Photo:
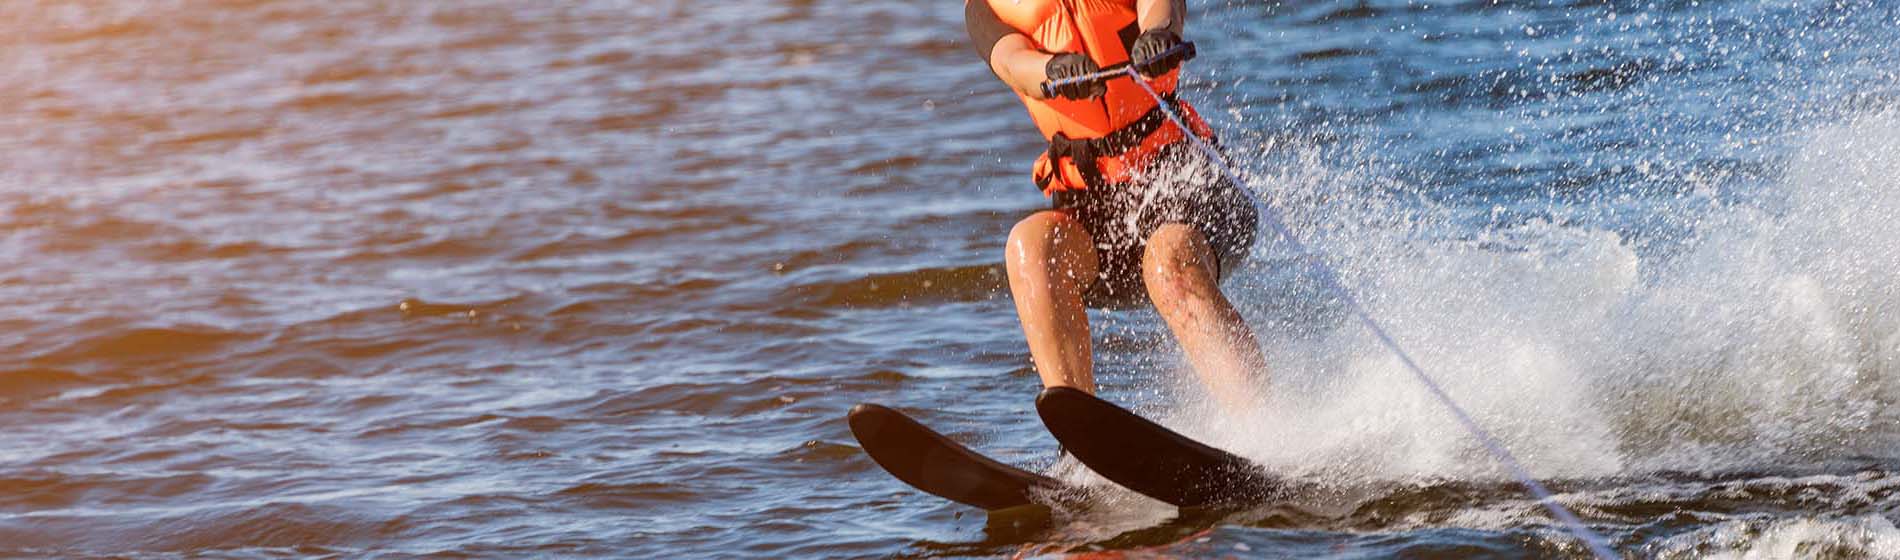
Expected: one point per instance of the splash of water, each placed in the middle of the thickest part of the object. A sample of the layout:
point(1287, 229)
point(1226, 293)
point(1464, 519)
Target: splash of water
point(1764, 340)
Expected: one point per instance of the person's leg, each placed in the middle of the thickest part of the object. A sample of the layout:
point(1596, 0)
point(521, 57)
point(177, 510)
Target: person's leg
point(1179, 268)
point(1051, 261)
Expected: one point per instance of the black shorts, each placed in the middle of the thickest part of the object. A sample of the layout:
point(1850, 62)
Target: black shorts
point(1182, 188)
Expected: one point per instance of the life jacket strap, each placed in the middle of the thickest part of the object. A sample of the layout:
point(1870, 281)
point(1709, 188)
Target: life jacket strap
point(1085, 153)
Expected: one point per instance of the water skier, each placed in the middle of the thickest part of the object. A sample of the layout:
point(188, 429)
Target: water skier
point(1136, 214)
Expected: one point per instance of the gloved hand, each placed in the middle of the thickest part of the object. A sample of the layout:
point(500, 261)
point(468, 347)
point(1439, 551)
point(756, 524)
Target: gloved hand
point(1145, 54)
point(1069, 65)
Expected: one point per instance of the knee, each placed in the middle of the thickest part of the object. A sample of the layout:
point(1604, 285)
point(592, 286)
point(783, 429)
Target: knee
point(1030, 241)
point(1176, 259)
point(1047, 242)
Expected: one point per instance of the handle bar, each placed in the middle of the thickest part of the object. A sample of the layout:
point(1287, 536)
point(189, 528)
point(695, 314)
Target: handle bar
point(1185, 50)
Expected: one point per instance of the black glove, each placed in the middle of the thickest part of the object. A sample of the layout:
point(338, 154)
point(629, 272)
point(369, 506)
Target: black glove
point(1145, 54)
point(1069, 65)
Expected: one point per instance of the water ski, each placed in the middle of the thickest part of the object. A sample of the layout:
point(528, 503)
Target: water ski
point(1148, 458)
point(923, 458)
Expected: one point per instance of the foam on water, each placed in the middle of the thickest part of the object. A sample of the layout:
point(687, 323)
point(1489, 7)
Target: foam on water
point(1857, 536)
point(1764, 340)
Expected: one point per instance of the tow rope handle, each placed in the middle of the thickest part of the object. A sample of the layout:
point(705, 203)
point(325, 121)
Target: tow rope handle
point(1185, 51)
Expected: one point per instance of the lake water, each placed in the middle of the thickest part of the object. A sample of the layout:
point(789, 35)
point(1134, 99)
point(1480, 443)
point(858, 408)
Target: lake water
point(601, 278)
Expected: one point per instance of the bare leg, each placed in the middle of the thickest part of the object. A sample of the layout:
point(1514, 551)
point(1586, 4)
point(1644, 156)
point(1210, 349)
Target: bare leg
point(1051, 261)
point(1178, 268)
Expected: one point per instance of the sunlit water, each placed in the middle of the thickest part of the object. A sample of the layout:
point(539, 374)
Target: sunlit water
point(601, 278)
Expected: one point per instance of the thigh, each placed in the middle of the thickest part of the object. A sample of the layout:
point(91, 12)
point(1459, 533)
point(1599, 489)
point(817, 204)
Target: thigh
point(1111, 216)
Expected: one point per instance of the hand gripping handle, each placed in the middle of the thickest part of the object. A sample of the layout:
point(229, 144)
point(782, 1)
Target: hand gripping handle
point(1185, 50)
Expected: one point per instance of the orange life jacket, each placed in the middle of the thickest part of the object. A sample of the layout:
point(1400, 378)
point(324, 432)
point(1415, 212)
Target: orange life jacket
point(1105, 140)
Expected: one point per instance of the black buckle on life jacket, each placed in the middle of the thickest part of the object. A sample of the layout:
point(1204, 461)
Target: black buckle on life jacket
point(1085, 152)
